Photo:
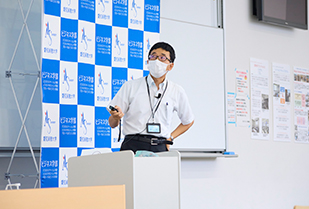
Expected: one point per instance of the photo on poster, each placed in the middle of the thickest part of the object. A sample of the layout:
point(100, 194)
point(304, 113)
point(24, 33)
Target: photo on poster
point(265, 126)
point(276, 90)
point(298, 100)
point(282, 95)
point(296, 132)
point(265, 102)
point(255, 125)
point(287, 95)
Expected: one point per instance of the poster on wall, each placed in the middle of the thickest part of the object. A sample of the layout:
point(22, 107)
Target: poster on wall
point(281, 102)
point(242, 98)
point(301, 105)
point(230, 106)
point(260, 113)
point(90, 48)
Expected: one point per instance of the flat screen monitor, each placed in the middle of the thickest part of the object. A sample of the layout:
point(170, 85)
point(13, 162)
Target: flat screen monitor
point(290, 13)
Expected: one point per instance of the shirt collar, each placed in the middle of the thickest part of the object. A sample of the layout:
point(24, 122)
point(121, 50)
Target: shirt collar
point(151, 82)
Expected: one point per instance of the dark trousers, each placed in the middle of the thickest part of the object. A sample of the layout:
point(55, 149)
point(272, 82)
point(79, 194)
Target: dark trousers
point(131, 144)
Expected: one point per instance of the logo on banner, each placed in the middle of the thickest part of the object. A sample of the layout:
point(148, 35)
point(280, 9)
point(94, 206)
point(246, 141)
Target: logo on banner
point(134, 74)
point(49, 164)
point(104, 11)
point(51, 38)
point(85, 129)
point(101, 2)
point(49, 75)
point(136, 18)
point(154, 8)
point(66, 34)
point(122, 2)
point(119, 47)
point(68, 8)
point(103, 122)
point(65, 120)
point(84, 78)
point(87, 46)
point(65, 165)
point(101, 83)
point(49, 34)
point(84, 123)
point(85, 39)
point(136, 44)
point(118, 82)
point(104, 40)
point(64, 155)
point(148, 45)
point(134, 8)
point(67, 80)
point(48, 122)
point(118, 44)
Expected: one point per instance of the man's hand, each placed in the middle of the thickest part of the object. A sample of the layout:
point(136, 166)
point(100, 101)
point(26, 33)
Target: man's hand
point(115, 117)
point(168, 145)
point(178, 131)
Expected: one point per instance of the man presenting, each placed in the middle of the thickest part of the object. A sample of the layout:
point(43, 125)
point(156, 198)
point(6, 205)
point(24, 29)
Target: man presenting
point(147, 105)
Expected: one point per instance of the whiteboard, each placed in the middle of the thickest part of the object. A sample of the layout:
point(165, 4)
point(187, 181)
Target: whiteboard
point(199, 69)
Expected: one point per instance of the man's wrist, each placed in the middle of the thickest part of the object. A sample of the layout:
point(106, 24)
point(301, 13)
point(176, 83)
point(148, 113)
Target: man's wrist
point(171, 137)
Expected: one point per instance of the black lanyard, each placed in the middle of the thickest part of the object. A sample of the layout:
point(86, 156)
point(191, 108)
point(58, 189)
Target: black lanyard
point(153, 112)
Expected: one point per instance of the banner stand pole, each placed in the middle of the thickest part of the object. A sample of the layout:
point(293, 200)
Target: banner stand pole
point(23, 118)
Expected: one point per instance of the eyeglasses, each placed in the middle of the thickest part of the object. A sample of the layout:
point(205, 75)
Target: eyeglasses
point(161, 58)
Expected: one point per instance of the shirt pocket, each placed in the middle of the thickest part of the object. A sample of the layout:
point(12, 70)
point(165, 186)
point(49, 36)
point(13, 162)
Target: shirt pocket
point(169, 111)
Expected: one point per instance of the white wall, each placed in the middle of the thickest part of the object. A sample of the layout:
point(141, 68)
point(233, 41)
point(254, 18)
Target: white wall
point(267, 174)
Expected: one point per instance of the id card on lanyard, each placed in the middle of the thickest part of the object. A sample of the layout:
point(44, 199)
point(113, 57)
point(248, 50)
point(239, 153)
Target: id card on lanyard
point(154, 127)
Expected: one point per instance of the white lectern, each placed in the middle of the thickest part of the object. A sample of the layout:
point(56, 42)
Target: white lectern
point(150, 182)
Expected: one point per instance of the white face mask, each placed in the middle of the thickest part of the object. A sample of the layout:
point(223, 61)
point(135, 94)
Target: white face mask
point(157, 68)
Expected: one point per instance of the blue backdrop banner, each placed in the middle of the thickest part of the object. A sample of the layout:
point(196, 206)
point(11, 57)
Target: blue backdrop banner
point(90, 48)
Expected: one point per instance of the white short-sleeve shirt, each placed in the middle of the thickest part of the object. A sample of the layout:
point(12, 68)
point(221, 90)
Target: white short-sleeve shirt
point(134, 102)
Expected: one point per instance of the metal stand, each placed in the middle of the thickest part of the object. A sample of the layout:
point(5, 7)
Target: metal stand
point(8, 75)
